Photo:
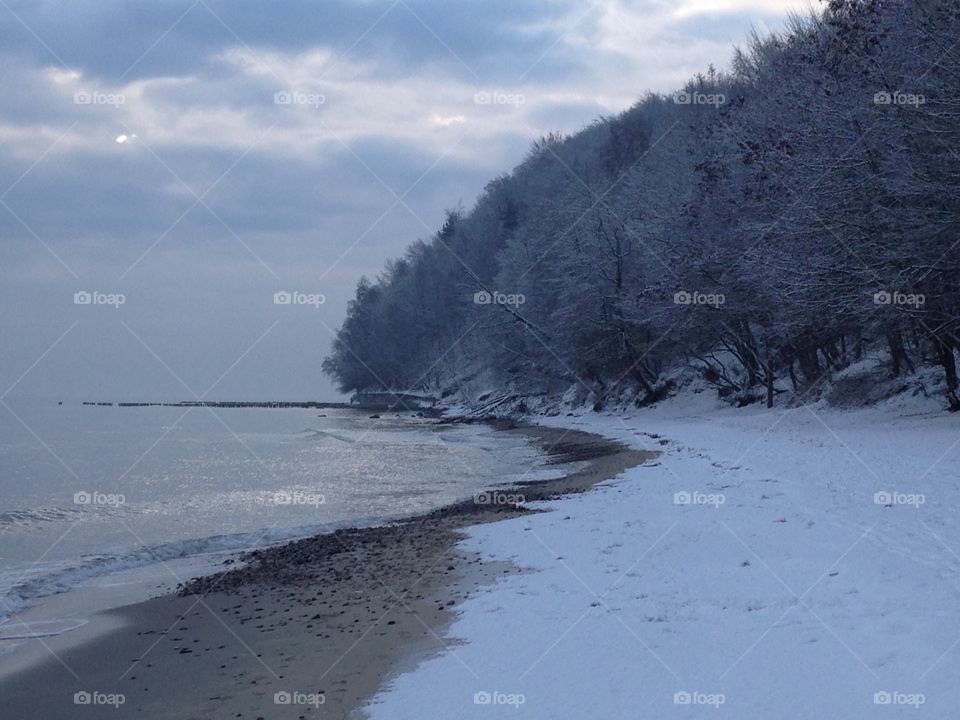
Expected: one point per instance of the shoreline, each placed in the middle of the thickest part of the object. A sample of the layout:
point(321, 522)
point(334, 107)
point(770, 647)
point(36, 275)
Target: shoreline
point(29, 585)
point(322, 621)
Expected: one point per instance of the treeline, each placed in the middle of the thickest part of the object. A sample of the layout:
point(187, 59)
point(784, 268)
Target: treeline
point(767, 226)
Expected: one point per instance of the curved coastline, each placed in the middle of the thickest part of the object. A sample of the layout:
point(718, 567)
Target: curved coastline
point(315, 624)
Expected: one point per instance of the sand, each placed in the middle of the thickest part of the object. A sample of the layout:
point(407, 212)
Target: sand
point(308, 629)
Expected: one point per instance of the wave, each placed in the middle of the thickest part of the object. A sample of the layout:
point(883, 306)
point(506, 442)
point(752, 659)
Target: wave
point(23, 593)
point(39, 628)
point(27, 518)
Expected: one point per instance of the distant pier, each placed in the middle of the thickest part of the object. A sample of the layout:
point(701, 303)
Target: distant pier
point(396, 401)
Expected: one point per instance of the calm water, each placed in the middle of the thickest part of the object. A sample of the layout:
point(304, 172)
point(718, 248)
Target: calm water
point(89, 491)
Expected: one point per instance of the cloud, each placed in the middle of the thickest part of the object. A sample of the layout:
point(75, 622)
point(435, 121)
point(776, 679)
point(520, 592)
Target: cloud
point(196, 154)
point(691, 8)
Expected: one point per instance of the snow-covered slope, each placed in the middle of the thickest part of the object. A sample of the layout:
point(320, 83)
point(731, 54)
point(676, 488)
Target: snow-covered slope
point(752, 571)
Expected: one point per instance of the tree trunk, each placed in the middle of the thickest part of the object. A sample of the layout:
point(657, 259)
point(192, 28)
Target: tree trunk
point(809, 363)
point(949, 362)
point(895, 344)
point(793, 376)
point(769, 373)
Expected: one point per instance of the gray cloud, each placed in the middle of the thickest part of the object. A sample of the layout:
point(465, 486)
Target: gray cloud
point(298, 195)
point(110, 39)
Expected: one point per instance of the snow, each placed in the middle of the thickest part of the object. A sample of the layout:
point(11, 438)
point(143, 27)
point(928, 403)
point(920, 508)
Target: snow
point(783, 590)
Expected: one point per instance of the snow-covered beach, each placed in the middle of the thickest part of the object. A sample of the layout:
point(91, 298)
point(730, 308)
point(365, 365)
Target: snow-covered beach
point(793, 563)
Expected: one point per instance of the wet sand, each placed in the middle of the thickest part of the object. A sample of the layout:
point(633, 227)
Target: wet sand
point(308, 629)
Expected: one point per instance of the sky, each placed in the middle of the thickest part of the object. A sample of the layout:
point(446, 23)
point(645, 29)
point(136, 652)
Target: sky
point(167, 168)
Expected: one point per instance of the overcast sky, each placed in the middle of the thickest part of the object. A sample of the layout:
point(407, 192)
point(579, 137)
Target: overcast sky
point(193, 158)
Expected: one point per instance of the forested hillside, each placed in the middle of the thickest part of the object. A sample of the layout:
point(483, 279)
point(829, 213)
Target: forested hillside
point(765, 226)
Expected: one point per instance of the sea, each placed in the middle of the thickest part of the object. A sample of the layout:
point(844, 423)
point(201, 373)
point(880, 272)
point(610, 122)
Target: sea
point(91, 495)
